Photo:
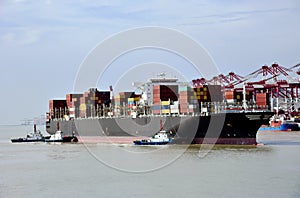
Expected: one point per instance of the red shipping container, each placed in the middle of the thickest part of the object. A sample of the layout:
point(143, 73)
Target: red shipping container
point(156, 112)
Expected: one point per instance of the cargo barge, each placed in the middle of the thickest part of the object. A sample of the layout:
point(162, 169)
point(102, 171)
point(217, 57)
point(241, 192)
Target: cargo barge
point(190, 114)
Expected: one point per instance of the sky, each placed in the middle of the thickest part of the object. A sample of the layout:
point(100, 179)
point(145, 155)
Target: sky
point(44, 42)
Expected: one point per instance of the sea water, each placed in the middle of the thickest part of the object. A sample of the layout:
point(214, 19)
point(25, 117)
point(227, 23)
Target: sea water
point(110, 170)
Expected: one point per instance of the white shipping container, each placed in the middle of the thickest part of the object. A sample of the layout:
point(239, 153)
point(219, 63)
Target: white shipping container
point(191, 106)
point(175, 110)
point(230, 100)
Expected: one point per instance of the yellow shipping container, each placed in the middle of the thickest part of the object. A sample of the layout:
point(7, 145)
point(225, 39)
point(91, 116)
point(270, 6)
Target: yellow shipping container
point(94, 98)
point(82, 107)
point(165, 102)
point(204, 89)
point(165, 111)
point(205, 97)
point(130, 99)
point(193, 97)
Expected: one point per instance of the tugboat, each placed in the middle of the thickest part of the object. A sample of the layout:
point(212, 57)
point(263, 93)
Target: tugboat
point(160, 138)
point(58, 137)
point(35, 136)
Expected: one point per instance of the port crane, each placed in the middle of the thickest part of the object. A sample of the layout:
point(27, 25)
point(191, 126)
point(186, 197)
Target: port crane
point(280, 83)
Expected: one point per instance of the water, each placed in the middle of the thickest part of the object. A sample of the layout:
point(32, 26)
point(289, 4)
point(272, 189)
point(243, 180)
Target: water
point(72, 170)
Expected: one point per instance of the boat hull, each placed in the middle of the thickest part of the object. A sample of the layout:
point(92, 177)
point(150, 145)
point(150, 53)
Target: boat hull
point(222, 128)
point(140, 142)
point(20, 140)
point(64, 139)
point(17, 140)
point(289, 127)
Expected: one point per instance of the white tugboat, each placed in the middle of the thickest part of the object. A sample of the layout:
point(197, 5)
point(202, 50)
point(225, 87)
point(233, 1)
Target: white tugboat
point(160, 138)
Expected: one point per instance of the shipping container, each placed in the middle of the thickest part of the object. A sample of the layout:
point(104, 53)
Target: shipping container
point(156, 112)
point(184, 88)
point(262, 99)
point(165, 111)
point(165, 102)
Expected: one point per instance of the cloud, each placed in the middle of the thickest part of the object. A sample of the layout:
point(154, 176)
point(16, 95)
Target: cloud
point(247, 13)
point(21, 36)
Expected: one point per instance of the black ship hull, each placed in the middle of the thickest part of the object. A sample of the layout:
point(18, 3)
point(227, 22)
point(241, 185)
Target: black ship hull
point(220, 128)
point(20, 140)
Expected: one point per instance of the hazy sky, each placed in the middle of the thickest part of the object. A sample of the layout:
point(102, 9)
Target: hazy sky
point(44, 42)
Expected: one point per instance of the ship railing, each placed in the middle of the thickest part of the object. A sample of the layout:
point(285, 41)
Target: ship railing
point(202, 109)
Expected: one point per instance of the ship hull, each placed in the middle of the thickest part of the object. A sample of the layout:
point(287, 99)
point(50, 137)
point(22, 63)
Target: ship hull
point(221, 128)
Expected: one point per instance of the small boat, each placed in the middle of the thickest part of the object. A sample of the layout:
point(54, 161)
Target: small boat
point(35, 136)
point(160, 138)
point(58, 137)
point(282, 123)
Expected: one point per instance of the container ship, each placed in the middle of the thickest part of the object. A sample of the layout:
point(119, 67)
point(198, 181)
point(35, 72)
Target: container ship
point(200, 114)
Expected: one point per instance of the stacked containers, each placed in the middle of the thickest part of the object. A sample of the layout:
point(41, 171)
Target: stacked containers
point(156, 108)
point(156, 94)
point(93, 101)
point(174, 108)
point(122, 99)
point(229, 96)
point(191, 98)
point(162, 95)
point(238, 96)
point(165, 107)
point(262, 99)
point(132, 102)
point(57, 108)
point(215, 93)
point(184, 95)
point(73, 103)
point(82, 106)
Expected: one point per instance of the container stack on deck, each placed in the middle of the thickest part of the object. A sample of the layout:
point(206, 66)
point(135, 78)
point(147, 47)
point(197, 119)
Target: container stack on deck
point(73, 103)
point(190, 98)
point(163, 99)
point(124, 102)
point(57, 108)
point(88, 104)
point(156, 100)
point(93, 102)
point(184, 98)
point(262, 99)
point(167, 99)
